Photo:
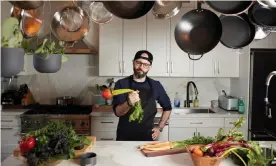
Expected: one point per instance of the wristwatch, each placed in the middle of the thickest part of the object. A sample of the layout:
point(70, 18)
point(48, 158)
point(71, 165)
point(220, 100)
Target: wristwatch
point(160, 129)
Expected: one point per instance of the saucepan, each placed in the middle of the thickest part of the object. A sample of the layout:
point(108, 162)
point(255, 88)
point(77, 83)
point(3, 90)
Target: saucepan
point(166, 9)
point(65, 100)
point(70, 25)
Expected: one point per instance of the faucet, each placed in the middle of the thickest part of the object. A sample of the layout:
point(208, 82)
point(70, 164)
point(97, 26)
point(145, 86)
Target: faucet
point(187, 93)
point(267, 104)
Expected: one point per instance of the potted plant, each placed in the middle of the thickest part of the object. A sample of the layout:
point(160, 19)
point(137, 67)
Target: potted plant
point(48, 57)
point(12, 52)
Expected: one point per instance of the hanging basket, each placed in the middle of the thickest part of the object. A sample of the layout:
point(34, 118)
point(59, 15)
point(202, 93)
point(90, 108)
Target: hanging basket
point(47, 63)
point(12, 61)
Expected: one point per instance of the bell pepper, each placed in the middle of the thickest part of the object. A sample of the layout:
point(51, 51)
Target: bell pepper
point(26, 144)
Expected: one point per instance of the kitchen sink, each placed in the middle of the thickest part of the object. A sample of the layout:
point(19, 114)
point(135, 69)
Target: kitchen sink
point(185, 111)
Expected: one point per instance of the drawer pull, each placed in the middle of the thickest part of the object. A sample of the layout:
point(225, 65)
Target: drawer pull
point(107, 122)
point(6, 120)
point(231, 122)
point(8, 128)
point(196, 122)
point(107, 139)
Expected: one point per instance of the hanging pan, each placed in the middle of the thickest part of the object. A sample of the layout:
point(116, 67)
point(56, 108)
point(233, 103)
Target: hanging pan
point(166, 9)
point(262, 15)
point(229, 7)
point(198, 31)
point(267, 3)
point(128, 9)
point(27, 5)
point(70, 25)
point(99, 14)
point(237, 31)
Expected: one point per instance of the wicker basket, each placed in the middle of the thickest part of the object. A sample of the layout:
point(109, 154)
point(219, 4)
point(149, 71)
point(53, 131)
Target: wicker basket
point(203, 161)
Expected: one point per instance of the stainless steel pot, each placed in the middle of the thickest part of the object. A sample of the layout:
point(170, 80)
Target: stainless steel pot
point(65, 100)
point(166, 9)
point(27, 5)
point(70, 25)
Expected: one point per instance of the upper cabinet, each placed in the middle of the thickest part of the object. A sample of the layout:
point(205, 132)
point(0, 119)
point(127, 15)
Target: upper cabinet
point(122, 38)
point(110, 48)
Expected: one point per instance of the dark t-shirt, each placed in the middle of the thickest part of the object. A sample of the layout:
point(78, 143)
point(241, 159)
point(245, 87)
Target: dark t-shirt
point(158, 90)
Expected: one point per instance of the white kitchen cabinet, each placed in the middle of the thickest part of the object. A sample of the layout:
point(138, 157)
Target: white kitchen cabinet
point(134, 39)
point(10, 133)
point(219, 62)
point(158, 43)
point(180, 65)
point(110, 48)
point(104, 128)
point(179, 134)
point(207, 132)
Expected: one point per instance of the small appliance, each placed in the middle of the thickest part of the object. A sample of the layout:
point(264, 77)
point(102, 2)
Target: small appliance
point(228, 103)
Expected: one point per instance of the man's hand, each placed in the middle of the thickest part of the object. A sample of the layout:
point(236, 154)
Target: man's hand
point(133, 97)
point(155, 133)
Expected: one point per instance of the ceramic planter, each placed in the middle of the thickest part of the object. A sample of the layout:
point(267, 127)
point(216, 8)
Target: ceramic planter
point(44, 63)
point(12, 61)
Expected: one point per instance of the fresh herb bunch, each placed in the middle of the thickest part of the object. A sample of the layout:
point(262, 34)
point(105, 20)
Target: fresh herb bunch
point(195, 140)
point(137, 112)
point(54, 141)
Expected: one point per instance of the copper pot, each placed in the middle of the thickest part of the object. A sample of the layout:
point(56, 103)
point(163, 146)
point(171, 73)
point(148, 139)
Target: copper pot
point(27, 5)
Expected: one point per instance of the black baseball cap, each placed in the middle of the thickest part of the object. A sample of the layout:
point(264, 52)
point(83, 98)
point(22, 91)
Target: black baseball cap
point(144, 54)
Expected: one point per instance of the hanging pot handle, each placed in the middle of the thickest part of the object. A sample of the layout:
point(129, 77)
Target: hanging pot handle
point(195, 59)
point(69, 44)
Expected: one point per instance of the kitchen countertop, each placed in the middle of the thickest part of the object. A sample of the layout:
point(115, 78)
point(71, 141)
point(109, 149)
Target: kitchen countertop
point(116, 153)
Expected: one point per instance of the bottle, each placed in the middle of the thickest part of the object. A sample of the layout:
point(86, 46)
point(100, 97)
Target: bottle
point(241, 105)
point(176, 100)
point(196, 102)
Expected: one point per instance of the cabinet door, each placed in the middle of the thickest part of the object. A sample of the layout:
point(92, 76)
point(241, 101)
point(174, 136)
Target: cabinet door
point(9, 139)
point(134, 39)
point(179, 134)
point(110, 48)
point(211, 132)
point(158, 43)
point(243, 130)
point(206, 66)
point(227, 62)
point(180, 64)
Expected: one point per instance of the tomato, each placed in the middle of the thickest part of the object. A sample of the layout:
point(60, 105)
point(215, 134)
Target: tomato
point(107, 94)
point(26, 144)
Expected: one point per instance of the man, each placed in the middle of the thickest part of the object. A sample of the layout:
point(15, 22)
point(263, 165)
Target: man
point(148, 91)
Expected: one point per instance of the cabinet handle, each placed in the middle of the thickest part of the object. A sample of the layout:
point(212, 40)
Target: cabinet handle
point(120, 69)
point(107, 139)
point(231, 122)
point(107, 122)
point(6, 120)
point(168, 67)
point(171, 67)
point(123, 67)
point(215, 67)
point(196, 122)
point(194, 134)
point(8, 128)
point(198, 134)
point(218, 67)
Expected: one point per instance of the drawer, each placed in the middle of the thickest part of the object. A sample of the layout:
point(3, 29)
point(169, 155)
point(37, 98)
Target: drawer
point(105, 136)
point(229, 122)
point(10, 121)
point(104, 124)
point(197, 122)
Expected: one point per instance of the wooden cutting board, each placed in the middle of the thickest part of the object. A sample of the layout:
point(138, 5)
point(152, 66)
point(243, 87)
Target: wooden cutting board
point(17, 154)
point(163, 152)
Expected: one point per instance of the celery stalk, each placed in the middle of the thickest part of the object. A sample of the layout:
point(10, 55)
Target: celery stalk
point(120, 91)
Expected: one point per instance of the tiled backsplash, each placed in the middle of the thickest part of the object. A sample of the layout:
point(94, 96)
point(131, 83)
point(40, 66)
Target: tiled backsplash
point(78, 77)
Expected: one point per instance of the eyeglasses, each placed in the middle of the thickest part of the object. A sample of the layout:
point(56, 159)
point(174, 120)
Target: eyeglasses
point(145, 65)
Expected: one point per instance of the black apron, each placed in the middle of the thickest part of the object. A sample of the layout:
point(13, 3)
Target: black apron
point(134, 131)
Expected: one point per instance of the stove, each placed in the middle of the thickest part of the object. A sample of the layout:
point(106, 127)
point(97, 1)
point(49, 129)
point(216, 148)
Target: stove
point(39, 116)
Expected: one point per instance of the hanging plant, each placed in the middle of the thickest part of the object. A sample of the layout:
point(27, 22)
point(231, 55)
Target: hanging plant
point(47, 49)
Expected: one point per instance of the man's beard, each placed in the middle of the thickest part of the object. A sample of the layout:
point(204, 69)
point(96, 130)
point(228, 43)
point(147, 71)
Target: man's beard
point(140, 74)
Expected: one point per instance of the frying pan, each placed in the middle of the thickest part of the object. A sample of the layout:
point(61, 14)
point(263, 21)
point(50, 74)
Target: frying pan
point(198, 31)
point(237, 31)
point(27, 5)
point(128, 9)
point(262, 15)
point(229, 7)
